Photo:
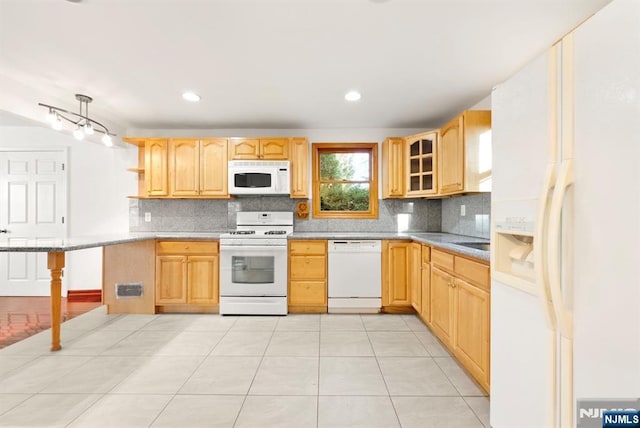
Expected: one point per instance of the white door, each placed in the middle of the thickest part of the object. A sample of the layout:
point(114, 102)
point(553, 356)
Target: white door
point(32, 206)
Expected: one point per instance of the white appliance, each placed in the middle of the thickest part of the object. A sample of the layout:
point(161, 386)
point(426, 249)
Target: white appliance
point(247, 177)
point(253, 264)
point(565, 324)
point(354, 276)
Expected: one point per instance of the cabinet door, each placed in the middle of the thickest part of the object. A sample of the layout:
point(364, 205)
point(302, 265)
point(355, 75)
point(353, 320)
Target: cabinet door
point(451, 167)
point(421, 164)
point(274, 148)
point(441, 304)
point(202, 282)
point(213, 167)
point(155, 167)
point(415, 277)
point(471, 336)
point(299, 168)
point(184, 167)
point(171, 279)
point(308, 293)
point(244, 148)
point(307, 267)
point(425, 310)
point(395, 273)
point(393, 168)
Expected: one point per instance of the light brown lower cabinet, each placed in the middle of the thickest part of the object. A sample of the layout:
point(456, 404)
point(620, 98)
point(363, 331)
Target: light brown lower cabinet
point(415, 278)
point(187, 273)
point(396, 276)
point(457, 308)
point(425, 284)
point(307, 276)
point(471, 332)
point(442, 304)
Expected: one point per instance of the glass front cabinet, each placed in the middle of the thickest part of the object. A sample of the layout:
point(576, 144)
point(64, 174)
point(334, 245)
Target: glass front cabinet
point(421, 164)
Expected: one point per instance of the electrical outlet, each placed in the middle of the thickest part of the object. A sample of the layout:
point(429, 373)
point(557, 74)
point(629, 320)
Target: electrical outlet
point(147, 217)
point(463, 210)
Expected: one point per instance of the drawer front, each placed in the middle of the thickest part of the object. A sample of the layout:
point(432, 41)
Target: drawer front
point(476, 273)
point(308, 247)
point(187, 247)
point(442, 259)
point(307, 267)
point(308, 293)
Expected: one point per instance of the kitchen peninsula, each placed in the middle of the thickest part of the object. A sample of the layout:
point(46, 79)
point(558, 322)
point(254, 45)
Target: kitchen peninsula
point(56, 250)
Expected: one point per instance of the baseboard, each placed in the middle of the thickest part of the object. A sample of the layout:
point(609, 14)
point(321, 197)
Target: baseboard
point(84, 296)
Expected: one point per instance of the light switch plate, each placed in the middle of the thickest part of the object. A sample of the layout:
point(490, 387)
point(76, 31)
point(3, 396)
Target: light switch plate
point(463, 210)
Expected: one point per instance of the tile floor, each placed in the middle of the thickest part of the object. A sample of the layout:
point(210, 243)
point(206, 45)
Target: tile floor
point(21, 317)
point(212, 371)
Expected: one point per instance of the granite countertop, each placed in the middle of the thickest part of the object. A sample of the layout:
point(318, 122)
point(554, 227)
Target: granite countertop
point(446, 241)
point(81, 243)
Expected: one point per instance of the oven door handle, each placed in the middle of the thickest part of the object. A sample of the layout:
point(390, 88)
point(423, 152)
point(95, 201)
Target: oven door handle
point(247, 248)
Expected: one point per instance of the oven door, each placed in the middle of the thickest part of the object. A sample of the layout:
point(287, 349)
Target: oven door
point(252, 270)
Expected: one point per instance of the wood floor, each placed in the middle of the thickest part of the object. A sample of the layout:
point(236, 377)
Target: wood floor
point(21, 317)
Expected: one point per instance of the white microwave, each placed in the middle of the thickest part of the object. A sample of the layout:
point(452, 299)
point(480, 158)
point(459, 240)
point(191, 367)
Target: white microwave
point(258, 177)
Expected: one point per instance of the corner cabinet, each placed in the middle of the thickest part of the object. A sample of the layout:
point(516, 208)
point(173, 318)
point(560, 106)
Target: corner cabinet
point(464, 163)
point(421, 162)
point(259, 148)
point(187, 276)
point(307, 276)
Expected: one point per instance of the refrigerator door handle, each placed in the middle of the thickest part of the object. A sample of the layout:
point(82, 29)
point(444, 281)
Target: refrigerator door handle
point(539, 248)
point(563, 315)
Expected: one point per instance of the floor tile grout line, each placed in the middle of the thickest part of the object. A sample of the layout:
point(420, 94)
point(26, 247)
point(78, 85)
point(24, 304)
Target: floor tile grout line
point(384, 380)
point(205, 357)
point(473, 410)
point(235, 422)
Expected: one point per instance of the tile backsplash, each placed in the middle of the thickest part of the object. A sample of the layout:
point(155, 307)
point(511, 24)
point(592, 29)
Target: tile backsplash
point(216, 215)
point(476, 221)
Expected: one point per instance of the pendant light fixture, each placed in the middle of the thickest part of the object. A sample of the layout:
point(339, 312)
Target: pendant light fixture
point(84, 125)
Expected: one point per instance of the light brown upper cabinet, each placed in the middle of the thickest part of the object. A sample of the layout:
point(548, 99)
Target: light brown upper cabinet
point(198, 167)
point(421, 163)
point(259, 148)
point(299, 166)
point(464, 157)
point(393, 171)
point(155, 167)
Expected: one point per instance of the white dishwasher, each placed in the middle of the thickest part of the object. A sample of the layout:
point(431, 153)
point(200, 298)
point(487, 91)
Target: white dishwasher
point(355, 276)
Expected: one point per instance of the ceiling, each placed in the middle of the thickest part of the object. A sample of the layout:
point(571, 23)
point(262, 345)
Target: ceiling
point(271, 63)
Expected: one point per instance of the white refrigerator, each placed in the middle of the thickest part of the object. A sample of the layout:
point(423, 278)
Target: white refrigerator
point(565, 296)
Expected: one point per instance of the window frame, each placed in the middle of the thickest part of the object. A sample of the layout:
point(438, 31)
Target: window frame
point(372, 149)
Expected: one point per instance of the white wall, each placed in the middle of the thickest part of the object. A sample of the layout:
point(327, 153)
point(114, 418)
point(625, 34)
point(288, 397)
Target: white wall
point(98, 186)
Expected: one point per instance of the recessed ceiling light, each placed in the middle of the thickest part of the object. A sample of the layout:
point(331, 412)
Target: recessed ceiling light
point(352, 96)
point(191, 96)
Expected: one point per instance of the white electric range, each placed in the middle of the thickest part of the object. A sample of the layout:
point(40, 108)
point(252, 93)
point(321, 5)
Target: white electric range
point(253, 264)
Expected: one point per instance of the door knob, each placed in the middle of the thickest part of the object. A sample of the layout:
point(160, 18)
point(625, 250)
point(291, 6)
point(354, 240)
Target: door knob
point(4, 231)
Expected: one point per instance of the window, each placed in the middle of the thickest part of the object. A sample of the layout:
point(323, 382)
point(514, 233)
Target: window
point(345, 180)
